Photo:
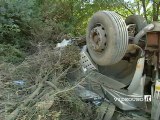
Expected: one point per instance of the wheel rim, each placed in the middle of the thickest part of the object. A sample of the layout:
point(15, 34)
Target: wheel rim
point(98, 38)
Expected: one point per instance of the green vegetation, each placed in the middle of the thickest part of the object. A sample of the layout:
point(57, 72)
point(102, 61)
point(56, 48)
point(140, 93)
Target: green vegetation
point(23, 22)
point(9, 53)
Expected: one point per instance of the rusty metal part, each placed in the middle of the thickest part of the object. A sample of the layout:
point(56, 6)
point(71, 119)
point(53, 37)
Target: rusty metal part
point(143, 32)
point(98, 38)
point(153, 35)
point(153, 44)
point(152, 39)
point(131, 29)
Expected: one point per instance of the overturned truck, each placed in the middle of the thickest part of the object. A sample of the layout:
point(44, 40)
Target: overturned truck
point(121, 60)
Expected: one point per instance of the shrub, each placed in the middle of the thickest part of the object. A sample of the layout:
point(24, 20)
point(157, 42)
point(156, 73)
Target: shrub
point(9, 53)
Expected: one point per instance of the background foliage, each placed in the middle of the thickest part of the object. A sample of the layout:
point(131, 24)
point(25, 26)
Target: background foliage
point(25, 23)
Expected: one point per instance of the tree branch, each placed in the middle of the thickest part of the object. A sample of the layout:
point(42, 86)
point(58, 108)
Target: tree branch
point(127, 8)
point(14, 114)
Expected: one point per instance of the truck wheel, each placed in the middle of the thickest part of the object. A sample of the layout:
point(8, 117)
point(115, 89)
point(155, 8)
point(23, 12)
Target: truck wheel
point(138, 20)
point(107, 38)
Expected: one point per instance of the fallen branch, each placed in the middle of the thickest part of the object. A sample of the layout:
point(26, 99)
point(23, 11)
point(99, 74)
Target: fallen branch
point(72, 88)
point(51, 84)
point(14, 114)
point(62, 74)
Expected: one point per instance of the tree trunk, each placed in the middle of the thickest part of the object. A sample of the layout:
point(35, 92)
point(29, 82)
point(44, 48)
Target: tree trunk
point(144, 9)
point(155, 10)
point(138, 7)
point(158, 6)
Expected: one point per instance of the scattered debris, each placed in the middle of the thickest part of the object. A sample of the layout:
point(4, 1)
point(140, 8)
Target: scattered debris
point(64, 43)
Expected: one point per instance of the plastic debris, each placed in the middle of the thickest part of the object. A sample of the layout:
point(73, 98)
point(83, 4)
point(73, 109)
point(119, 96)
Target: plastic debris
point(19, 82)
point(63, 43)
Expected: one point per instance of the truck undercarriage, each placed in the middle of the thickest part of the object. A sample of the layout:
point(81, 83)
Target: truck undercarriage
point(121, 60)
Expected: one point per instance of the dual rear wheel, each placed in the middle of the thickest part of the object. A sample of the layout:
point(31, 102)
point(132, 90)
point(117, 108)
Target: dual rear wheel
point(107, 36)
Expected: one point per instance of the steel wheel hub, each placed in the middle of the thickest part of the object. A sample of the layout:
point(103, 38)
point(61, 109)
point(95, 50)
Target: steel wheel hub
point(98, 38)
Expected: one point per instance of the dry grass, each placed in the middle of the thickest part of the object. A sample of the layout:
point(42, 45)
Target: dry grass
point(46, 93)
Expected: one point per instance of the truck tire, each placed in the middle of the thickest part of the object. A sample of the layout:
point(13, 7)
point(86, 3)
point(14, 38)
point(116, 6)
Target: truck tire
point(138, 20)
point(107, 38)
